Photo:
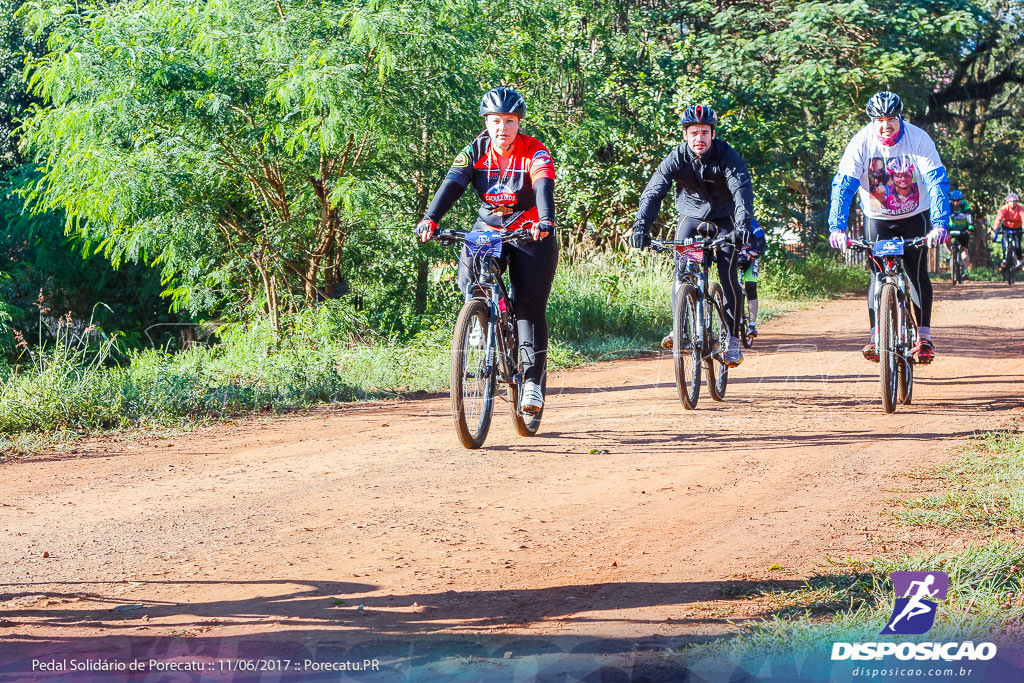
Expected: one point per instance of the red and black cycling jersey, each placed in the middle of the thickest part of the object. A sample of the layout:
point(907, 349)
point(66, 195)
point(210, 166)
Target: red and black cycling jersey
point(1010, 217)
point(509, 197)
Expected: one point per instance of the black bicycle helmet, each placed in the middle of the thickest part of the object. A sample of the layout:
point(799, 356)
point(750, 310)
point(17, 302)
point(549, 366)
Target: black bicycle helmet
point(884, 103)
point(700, 113)
point(503, 101)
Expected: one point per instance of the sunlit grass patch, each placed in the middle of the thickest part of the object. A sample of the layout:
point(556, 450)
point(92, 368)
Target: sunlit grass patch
point(854, 602)
point(984, 488)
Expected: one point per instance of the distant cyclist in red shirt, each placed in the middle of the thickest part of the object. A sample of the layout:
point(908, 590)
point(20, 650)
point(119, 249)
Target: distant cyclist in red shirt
point(1009, 220)
point(514, 176)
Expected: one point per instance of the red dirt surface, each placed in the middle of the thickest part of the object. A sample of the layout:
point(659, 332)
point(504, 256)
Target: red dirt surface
point(625, 519)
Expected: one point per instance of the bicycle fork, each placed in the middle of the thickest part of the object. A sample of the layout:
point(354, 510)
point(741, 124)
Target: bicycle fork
point(904, 346)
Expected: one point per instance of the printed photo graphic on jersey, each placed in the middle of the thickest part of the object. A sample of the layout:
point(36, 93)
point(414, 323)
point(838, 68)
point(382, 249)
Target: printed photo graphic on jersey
point(914, 611)
point(892, 184)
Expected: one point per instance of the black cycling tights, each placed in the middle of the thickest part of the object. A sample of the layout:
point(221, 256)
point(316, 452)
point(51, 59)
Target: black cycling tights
point(915, 261)
point(531, 270)
point(727, 266)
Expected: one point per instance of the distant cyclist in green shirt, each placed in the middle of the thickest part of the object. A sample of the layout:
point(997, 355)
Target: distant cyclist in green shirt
point(961, 227)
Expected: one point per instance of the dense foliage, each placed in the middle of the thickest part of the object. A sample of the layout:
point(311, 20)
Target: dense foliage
point(264, 157)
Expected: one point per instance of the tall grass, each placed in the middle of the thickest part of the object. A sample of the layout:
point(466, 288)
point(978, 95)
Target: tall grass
point(604, 305)
point(818, 276)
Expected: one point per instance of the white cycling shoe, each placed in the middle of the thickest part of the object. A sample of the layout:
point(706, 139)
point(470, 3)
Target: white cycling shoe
point(533, 398)
point(476, 335)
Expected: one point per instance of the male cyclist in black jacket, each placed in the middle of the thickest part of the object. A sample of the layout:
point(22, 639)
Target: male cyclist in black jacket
point(712, 185)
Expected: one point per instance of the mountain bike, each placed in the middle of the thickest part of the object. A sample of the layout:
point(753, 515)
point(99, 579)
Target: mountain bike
point(485, 345)
point(699, 330)
point(956, 259)
point(897, 324)
point(1011, 255)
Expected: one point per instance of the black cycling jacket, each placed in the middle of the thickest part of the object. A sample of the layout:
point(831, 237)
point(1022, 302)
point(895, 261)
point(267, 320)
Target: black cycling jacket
point(711, 186)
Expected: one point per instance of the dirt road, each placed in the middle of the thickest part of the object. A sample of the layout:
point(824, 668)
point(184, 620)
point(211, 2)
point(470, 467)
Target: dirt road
point(367, 527)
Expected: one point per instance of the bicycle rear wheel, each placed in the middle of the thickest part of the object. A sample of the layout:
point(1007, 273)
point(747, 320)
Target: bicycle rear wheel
point(472, 380)
point(888, 347)
point(744, 323)
point(686, 346)
point(718, 343)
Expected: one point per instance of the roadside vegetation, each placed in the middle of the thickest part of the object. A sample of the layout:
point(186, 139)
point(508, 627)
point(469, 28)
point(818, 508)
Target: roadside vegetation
point(853, 601)
point(607, 305)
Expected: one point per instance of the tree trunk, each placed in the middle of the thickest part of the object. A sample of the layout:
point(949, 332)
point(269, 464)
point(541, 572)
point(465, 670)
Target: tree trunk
point(270, 290)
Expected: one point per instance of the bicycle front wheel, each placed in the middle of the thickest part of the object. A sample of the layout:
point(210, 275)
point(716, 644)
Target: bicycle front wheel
point(888, 347)
point(958, 269)
point(686, 346)
point(472, 378)
point(526, 424)
point(905, 381)
point(718, 337)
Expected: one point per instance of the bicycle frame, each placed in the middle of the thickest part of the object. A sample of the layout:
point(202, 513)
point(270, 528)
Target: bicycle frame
point(489, 286)
point(1011, 243)
point(688, 270)
point(891, 271)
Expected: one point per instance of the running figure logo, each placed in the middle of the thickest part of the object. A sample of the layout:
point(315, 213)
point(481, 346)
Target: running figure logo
point(914, 613)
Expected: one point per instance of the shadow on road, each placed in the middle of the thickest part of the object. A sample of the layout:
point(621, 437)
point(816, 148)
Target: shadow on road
point(345, 604)
point(333, 621)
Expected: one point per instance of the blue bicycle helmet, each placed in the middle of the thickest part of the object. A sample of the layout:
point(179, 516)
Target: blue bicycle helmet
point(956, 195)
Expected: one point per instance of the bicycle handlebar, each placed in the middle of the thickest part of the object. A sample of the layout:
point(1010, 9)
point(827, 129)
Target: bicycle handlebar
point(870, 246)
point(712, 242)
point(515, 237)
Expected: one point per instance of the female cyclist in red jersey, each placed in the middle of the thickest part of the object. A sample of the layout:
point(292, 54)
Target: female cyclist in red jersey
point(1009, 220)
point(514, 176)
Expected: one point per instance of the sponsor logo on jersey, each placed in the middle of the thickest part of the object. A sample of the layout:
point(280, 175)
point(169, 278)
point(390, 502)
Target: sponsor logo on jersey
point(542, 158)
point(461, 161)
point(500, 195)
